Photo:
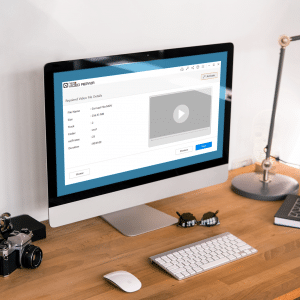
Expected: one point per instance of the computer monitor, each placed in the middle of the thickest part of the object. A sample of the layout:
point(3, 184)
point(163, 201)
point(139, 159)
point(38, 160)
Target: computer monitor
point(125, 130)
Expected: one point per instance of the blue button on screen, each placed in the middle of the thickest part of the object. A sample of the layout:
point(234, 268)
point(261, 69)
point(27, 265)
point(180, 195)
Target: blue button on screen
point(203, 146)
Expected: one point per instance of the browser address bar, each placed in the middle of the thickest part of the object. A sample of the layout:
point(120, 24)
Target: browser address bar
point(132, 87)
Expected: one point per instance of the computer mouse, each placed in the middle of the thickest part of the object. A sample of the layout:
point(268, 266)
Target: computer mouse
point(124, 280)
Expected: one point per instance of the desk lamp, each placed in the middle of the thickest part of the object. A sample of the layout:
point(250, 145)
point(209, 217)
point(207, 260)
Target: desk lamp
point(268, 187)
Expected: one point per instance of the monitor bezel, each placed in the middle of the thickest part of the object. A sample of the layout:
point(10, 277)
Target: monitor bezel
point(55, 67)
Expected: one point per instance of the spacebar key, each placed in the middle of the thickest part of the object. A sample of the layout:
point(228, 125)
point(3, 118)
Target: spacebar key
point(215, 263)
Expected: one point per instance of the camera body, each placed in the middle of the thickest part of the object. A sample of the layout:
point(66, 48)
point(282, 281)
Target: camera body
point(17, 252)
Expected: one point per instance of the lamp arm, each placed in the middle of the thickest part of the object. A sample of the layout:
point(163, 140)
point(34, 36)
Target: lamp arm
point(295, 38)
point(284, 41)
point(278, 80)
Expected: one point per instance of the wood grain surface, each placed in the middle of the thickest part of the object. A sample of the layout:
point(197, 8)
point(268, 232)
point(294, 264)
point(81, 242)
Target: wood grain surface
point(76, 256)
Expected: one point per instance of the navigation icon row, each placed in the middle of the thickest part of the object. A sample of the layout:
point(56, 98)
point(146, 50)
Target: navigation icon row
point(201, 66)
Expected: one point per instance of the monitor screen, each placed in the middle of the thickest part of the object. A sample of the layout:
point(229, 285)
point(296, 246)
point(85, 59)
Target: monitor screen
point(117, 123)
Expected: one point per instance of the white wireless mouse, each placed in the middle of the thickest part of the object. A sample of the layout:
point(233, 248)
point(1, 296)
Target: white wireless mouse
point(124, 280)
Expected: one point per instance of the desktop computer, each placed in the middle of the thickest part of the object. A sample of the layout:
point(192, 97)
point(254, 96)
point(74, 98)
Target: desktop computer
point(125, 130)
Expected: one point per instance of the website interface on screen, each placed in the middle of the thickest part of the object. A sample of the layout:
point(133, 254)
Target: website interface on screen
point(118, 127)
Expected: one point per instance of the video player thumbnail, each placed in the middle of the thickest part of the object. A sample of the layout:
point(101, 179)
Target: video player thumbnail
point(179, 116)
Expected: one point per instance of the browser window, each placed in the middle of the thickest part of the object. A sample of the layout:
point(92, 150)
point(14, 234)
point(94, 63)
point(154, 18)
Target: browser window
point(120, 123)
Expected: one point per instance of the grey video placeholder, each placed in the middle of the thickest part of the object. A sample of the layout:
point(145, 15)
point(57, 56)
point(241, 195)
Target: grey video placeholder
point(179, 116)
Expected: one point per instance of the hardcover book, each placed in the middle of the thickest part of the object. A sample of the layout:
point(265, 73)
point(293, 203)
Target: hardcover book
point(289, 212)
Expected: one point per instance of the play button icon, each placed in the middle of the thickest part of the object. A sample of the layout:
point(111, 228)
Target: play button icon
point(181, 113)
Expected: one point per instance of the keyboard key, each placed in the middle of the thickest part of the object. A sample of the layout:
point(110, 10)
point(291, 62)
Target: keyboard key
point(173, 268)
point(240, 244)
point(215, 263)
point(167, 265)
point(179, 270)
point(179, 275)
point(197, 269)
point(244, 247)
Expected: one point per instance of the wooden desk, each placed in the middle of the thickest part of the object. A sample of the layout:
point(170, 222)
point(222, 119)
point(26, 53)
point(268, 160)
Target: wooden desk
point(77, 256)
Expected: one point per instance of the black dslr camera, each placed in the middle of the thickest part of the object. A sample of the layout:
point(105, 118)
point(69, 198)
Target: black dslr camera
point(16, 250)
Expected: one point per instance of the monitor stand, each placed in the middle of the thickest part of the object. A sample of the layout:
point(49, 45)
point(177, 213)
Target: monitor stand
point(139, 219)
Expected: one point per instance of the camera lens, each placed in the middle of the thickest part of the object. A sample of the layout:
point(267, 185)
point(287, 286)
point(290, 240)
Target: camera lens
point(32, 257)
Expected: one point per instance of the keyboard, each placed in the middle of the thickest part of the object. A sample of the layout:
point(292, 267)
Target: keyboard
point(204, 255)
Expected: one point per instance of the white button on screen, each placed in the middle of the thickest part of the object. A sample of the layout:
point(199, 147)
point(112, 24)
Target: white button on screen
point(79, 173)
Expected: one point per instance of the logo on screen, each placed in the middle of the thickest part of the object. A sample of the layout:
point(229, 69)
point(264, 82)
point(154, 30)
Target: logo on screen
point(71, 84)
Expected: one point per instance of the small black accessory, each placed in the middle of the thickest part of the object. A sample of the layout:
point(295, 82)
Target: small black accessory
point(6, 227)
point(25, 221)
point(209, 219)
point(186, 220)
point(16, 250)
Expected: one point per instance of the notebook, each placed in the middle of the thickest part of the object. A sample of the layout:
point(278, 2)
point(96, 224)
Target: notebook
point(289, 212)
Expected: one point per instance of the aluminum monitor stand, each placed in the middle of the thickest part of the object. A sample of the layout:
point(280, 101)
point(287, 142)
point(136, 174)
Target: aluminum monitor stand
point(139, 219)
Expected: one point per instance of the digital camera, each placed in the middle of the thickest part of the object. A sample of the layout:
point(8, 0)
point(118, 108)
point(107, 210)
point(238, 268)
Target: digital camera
point(16, 250)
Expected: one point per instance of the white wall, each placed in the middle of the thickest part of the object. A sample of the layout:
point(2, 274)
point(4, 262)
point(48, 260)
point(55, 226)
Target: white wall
point(35, 32)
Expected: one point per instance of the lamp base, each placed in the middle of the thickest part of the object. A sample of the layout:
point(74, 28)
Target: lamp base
point(251, 186)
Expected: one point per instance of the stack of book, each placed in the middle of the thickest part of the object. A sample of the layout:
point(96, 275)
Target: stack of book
point(289, 212)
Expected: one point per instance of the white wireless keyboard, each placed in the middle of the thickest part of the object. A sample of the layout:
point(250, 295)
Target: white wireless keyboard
point(203, 255)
